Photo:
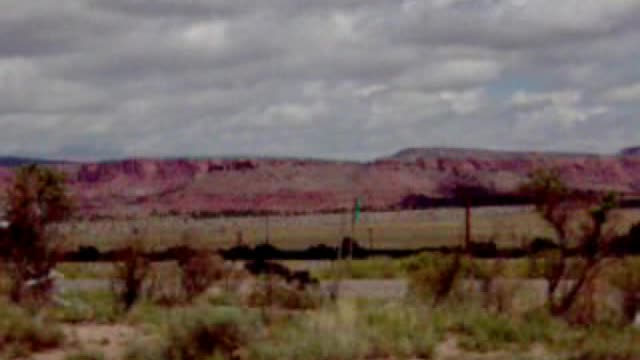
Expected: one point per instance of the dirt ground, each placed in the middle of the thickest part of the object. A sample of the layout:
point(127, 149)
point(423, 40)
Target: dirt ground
point(110, 340)
point(449, 350)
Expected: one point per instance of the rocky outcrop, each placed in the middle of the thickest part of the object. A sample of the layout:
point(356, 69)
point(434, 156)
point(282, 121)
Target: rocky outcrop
point(137, 187)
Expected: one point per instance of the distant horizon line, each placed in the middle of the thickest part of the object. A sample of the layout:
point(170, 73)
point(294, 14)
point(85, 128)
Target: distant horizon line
point(76, 160)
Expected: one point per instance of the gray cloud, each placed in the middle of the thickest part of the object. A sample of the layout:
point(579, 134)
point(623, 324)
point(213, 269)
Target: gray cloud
point(336, 78)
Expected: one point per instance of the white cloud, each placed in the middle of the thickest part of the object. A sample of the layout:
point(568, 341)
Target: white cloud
point(290, 115)
point(564, 116)
point(311, 78)
point(465, 102)
point(541, 114)
point(450, 72)
point(25, 88)
point(367, 91)
point(630, 93)
point(558, 98)
point(207, 34)
point(403, 108)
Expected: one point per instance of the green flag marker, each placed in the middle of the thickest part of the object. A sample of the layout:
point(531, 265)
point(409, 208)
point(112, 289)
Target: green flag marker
point(356, 211)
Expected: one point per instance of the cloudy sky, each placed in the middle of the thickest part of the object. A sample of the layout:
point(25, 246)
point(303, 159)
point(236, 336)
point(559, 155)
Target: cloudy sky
point(325, 78)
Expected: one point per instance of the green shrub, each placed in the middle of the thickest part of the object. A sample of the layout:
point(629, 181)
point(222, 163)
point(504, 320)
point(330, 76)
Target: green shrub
point(435, 276)
point(87, 306)
point(608, 344)
point(85, 355)
point(484, 331)
point(400, 331)
point(86, 270)
point(22, 333)
point(147, 313)
point(204, 331)
point(223, 298)
point(197, 333)
point(156, 349)
point(329, 334)
point(349, 330)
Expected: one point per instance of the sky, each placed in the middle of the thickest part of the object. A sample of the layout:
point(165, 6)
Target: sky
point(347, 79)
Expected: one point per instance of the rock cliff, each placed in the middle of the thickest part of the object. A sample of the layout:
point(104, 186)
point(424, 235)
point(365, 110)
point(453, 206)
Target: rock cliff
point(137, 187)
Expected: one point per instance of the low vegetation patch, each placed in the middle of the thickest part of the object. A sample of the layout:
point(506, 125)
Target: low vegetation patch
point(199, 332)
point(482, 331)
point(22, 333)
point(348, 330)
point(608, 344)
point(85, 355)
point(85, 270)
point(97, 306)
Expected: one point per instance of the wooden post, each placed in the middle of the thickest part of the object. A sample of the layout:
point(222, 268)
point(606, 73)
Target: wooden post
point(239, 239)
point(267, 237)
point(467, 234)
point(343, 226)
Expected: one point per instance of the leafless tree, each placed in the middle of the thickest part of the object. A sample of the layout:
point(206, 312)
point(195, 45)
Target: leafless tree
point(559, 207)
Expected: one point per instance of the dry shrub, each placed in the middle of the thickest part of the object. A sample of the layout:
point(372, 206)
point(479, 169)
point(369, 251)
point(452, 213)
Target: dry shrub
point(199, 272)
point(200, 334)
point(5, 280)
point(593, 304)
point(497, 292)
point(270, 292)
point(165, 284)
point(130, 275)
point(563, 208)
point(37, 201)
point(484, 273)
point(626, 277)
point(436, 276)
